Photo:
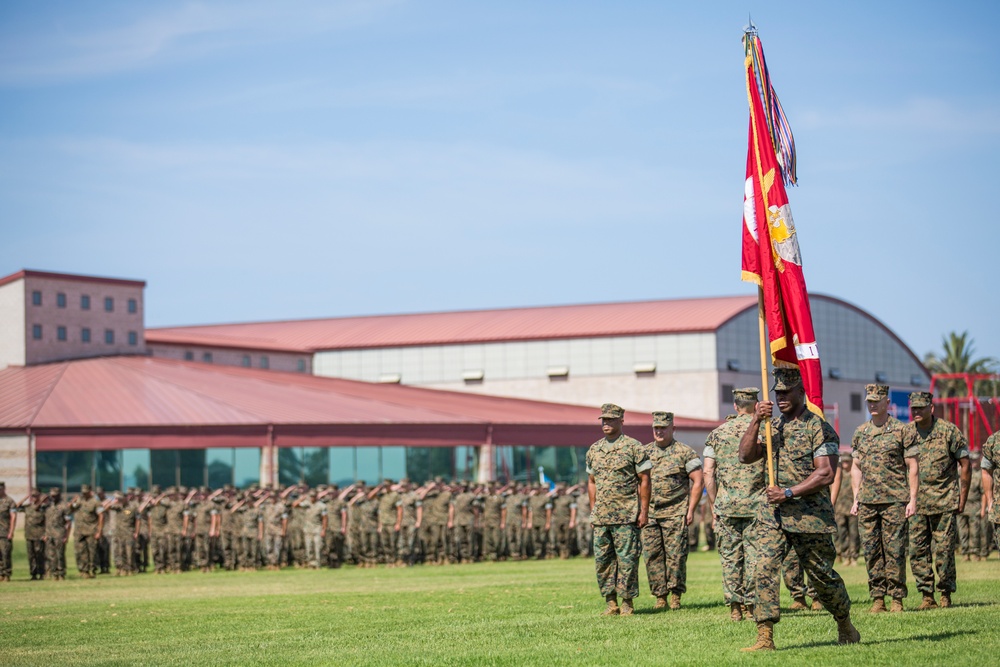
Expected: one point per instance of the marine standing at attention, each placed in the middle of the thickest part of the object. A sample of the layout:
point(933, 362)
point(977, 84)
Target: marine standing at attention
point(798, 508)
point(618, 486)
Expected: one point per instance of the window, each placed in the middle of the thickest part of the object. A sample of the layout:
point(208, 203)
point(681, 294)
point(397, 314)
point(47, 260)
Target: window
point(61, 333)
point(245, 361)
point(60, 300)
point(133, 338)
point(727, 395)
point(188, 355)
point(109, 336)
point(84, 302)
point(301, 365)
point(85, 335)
point(206, 357)
point(855, 402)
point(133, 306)
point(36, 298)
point(264, 361)
point(36, 331)
point(109, 304)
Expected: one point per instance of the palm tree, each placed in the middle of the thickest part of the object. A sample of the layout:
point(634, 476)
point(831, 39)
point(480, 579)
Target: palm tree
point(959, 358)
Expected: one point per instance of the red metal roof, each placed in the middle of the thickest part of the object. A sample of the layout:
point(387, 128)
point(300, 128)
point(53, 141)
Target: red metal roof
point(122, 402)
point(470, 326)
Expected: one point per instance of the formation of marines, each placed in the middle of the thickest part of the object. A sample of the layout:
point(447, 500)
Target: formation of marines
point(900, 491)
point(391, 524)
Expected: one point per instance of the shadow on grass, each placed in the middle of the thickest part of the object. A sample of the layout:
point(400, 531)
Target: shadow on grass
point(937, 637)
point(685, 605)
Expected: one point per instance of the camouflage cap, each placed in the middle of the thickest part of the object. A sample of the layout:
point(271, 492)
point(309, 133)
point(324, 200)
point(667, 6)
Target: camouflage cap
point(876, 392)
point(55, 491)
point(663, 419)
point(155, 489)
point(746, 394)
point(611, 411)
point(921, 399)
point(85, 488)
point(786, 379)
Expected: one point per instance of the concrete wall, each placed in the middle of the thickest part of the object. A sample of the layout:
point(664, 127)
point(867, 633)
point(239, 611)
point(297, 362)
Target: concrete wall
point(275, 361)
point(15, 464)
point(12, 330)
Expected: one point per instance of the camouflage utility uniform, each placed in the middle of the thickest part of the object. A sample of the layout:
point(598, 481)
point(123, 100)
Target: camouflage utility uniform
point(880, 455)
point(933, 529)
point(991, 467)
point(664, 538)
point(56, 534)
point(739, 489)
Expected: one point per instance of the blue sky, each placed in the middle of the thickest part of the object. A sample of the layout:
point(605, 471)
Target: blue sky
point(261, 160)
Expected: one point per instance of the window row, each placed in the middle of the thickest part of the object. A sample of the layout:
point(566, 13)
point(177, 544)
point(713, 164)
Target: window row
point(109, 302)
point(86, 335)
point(240, 467)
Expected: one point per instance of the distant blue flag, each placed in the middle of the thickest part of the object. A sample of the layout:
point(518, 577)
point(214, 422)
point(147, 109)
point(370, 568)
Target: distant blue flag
point(542, 479)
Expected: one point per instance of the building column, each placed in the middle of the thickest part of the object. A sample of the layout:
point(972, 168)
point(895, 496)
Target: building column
point(269, 460)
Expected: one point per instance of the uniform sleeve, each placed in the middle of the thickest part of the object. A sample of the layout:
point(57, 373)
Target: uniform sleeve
point(641, 457)
point(693, 463)
point(990, 453)
point(828, 442)
point(959, 445)
point(709, 452)
point(588, 457)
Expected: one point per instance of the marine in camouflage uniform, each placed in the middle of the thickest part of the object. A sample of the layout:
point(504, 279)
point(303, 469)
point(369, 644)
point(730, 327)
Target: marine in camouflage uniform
point(618, 486)
point(798, 510)
point(676, 483)
point(336, 534)
point(388, 522)
point(516, 522)
point(538, 505)
point(464, 517)
point(158, 523)
point(408, 543)
point(436, 511)
point(990, 478)
point(315, 524)
point(971, 535)
point(494, 522)
point(584, 529)
point(8, 521)
point(57, 526)
point(884, 480)
point(88, 519)
point(562, 523)
point(33, 507)
point(735, 490)
point(943, 460)
point(124, 517)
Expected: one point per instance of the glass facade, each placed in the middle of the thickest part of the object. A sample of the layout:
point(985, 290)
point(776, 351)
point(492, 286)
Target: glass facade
point(218, 466)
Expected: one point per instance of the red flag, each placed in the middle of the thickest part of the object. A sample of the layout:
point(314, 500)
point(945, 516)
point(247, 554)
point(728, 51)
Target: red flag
point(771, 256)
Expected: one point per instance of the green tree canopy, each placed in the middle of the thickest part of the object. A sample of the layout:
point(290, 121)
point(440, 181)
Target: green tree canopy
point(959, 357)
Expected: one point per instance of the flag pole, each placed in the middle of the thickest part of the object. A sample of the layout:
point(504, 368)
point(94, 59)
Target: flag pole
point(763, 383)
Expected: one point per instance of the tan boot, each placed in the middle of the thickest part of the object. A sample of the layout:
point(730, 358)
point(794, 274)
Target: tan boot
point(967, 558)
point(945, 600)
point(612, 609)
point(927, 603)
point(799, 604)
point(765, 638)
point(897, 605)
point(735, 612)
point(817, 605)
point(675, 601)
point(661, 602)
point(748, 611)
point(878, 607)
point(626, 608)
point(846, 632)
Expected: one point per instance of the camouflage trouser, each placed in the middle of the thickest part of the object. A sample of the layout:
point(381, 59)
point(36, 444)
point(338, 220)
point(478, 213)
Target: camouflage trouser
point(227, 546)
point(366, 546)
point(142, 553)
point(436, 542)
point(464, 536)
point(493, 542)
point(387, 544)
point(971, 535)
point(664, 548)
point(104, 554)
point(203, 550)
point(274, 543)
point(123, 547)
point(736, 552)
point(55, 556)
point(585, 538)
point(175, 551)
point(848, 539)
point(514, 538)
point(884, 528)
point(933, 535)
point(334, 548)
point(562, 538)
point(313, 547)
point(815, 552)
point(537, 539)
point(996, 535)
point(86, 554)
point(160, 546)
point(36, 557)
point(616, 558)
point(794, 576)
point(6, 551)
point(407, 545)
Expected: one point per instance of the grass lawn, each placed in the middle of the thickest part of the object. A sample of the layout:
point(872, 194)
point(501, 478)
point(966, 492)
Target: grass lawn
point(530, 613)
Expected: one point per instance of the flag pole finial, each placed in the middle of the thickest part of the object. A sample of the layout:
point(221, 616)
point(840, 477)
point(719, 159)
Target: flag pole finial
point(750, 28)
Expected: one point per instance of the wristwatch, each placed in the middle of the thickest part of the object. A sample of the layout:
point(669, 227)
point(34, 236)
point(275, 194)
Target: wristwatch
point(789, 494)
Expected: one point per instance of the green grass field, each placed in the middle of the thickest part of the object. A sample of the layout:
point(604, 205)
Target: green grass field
point(526, 613)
